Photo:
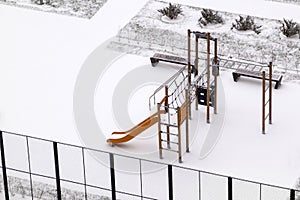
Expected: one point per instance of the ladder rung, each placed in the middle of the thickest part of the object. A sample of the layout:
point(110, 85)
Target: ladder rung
point(169, 133)
point(170, 150)
point(267, 116)
point(169, 141)
point(267, 102)
point(266, 88)
point(172, 125)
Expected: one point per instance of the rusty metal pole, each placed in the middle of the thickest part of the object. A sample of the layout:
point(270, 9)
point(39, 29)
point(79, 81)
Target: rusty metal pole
point(196, 67)
point(196, 64)
point(189, 56)
point(270, 92)
point(215, 75)
point(189, 69)
point(263, 102)
point(159, 131)
point(187, 121)
point(179, 134)
point(208, 80)
point(167, 110)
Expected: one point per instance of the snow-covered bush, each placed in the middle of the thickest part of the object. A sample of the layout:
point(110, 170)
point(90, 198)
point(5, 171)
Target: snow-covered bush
point(289, 28)
point(210, 17)
point(172, 11)
point(244, 24)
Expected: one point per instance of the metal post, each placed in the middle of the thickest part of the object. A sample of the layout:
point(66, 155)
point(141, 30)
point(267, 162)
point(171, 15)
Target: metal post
point(230, 188)
point(199, 178)
point(263, 101)
point(179, 134)
point(208, 80)
point(167, 110)
point(292, 195)
point(112, 176)
point(270, 91)
point(170, 181)
point(189, 56)
point(196, 97)
point(189, 67)
point(187, 121)
point(84, 173)
point(215, 76)
point(141, 177)
point(5, 183)
point(159, 131)
point(29, 167)
point(57, 175)
point(196, 64)
point(216, 51)
point(215, 93)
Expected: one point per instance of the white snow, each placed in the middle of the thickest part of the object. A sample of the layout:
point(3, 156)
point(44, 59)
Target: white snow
point(43, 53)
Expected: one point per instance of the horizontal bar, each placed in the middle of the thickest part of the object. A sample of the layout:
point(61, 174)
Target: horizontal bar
point(169, 150)
point(169, 133)
point(267, 102)
point(172, 125)
point(267, 116)
point(266, 88)
point(169, 142)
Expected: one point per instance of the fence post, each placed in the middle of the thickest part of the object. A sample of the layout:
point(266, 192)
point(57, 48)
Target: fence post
point(112, 176)
point(56, 162)
point(170, 180)
point(229, 188)
point(292, 195)
point(5, 184)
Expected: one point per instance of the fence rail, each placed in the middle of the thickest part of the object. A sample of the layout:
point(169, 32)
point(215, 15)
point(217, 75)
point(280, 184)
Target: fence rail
point(68, 170)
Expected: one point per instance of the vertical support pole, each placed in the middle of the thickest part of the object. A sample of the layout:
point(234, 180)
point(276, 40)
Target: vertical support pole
point(260, 193)
point(230, 196)
point(179, 134)
point(84, 173)
point(57, 175)
point(215, 93)
point(141, 177)
point(292, 195)
point(29, 167)
point(270, 91)
point(187, 143)
point(208, 80)
point(112, 176)
point(196, 65)
point(159, 131)
point(167, 110)
point(216, 51)
point(215, 76)
point(4, 173)
point(170, 181)
point(189, 67)
point(189, 56)
point(199, 178)
point(263, 101)
point(196, 97)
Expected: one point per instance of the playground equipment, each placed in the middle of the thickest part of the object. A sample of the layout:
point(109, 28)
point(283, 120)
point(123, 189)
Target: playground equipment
point(256, 70)
point(179, 92)
point(175, 103)
point(136, 130)
point(267, 102)
point(206, 89)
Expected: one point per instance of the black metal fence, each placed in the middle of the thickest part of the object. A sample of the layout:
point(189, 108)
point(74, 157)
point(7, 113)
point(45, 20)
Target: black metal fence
point(53, 170)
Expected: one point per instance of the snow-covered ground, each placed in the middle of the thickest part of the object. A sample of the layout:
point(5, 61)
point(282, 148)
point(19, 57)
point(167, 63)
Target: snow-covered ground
point(84, 9)
point(56, 69)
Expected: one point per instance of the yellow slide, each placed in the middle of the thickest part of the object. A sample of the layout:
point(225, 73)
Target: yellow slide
point(136, 130)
